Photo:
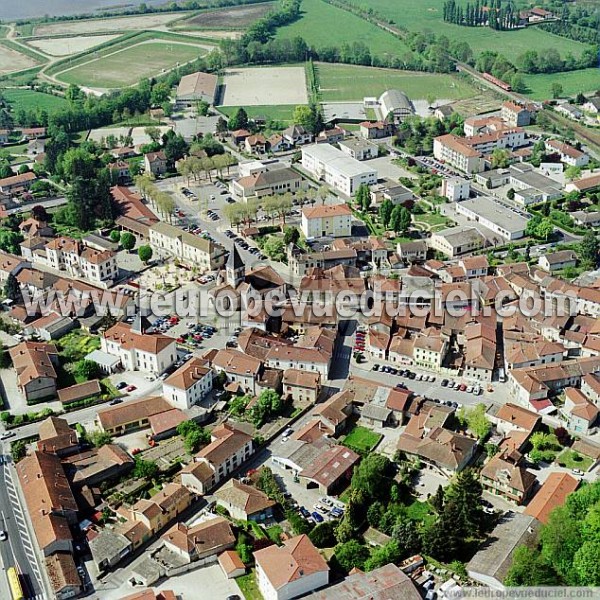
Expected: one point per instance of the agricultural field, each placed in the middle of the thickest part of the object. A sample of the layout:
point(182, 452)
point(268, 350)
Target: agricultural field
point(237, 17)
point(128, 65)
point(68, 46)
point(428, 16)
point(262, 86)
point(88, 26)
point(12, 61)
point(339, 83)
point(325, 25)
point(539, 86)
point(32, 100)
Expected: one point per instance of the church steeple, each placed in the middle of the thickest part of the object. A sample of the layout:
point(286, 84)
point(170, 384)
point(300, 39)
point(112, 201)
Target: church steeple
point(235, 268)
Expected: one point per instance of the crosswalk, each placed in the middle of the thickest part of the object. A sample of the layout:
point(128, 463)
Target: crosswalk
point(25, 539)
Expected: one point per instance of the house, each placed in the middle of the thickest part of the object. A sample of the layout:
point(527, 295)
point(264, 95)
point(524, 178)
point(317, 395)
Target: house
point(387, 582)
point(256, 144)
point(332, 220)
point(239, 368)
point(512, 482)
point(590, 386)
point(131, 415)
point(200, 543)
point(276, 143)
point(50, 327)
point(17, 183)
point(268, 182)
point(291, 570)
point(395, 106)
point(429, 349)
point(139, 351)
point(474, 266)
point(98, 465)
point(335, 412)
point(244, 502)
point(119, 171)
point(568, 154)
point(585, 184)
point(155, 163)
point(412, 252)
point(359, 148)
point(231, 564)
point(443, 112)
point(301, 386)
point(592, 105)
point(63, 576)
point(388, 189)
point(35, 364)
point(80, 260)
point(456, 240)
point(491, 564)
point(557, 261)
point(156, 512)
point(196, 87)
point(552, 494)
point(512, 417)
point(456, 188)
point(56, 437)
point(239, 136)
point(297, 135)
point(49, 501)
point(586, 219)
point(376, 130)
point(570, 111)
point(187, 247)
point(515, 115)
point(331, 136)
point(336, 168)
point(33, 228)
point(189, 384)
point(230, 447)
point(581, 413)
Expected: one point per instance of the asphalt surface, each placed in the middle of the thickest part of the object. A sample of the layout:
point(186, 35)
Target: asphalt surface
point(17, 550)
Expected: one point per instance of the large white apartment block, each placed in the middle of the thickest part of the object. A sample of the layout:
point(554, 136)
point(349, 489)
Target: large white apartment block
point(139, 351)
point(190, 248)
point(79, 260)
point(456, 188)
point(450, 149)
point(189, 384)
point(333, 221)
point(336, 168)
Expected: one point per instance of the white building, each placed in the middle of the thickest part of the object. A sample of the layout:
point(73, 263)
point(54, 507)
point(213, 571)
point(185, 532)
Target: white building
point(456, 188)
point(333, 166)
point(139, 351)
point(450, 149)
point(333, 221)
point(197, 87)
point(568, 154)
point(456, 240)
point(291, 570)
point(494, 216)
point(359, 148)
point(189, 384)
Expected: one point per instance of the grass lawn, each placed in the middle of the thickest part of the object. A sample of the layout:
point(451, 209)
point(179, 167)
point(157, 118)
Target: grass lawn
point(361, 439)
point(249, 586)
point(281, 112)
point(350, 82)
point(76, 345)
point(274, 533)
point(127, 66)
point(539, 86)
point(428, 16)
point(32, 100)
point(567, 458)
point(325, 25)
point(420, 512)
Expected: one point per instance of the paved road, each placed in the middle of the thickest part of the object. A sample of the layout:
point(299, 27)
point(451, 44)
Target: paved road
point(18, 550)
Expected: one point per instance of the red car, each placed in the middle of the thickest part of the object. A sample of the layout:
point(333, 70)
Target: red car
point(130, 388)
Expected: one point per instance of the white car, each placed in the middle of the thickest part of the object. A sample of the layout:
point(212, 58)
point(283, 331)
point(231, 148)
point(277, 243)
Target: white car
point(3, 536)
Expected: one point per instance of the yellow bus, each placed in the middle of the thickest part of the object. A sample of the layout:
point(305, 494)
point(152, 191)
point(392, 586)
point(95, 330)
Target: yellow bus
point(15, 584)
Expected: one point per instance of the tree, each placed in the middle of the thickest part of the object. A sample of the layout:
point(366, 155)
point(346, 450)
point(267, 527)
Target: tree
point(145, 253)
point(5, 360)
point(477, 421)
point(127, 240)
point(239, 119)
point(153, 133)
point(144, 469)
point(291, 235)
point(302, 116)
point(389, 553)
point(589, 249)
point(556, 89)
point(408, 536)
point(572, 172)
point(463, 496)
point(362, 198)
point(500, 158)
point(375, 513)
point(322, 536)
point(115, 236)
point(510, 194)
point(39, 213)
point(12, 289)
point(87, 369)
point(99, 438)
point(351, 554)
point(175, 147)
point(10, 240)
point(528, 568)
point(437, 500)
point(274, 248)
point(372, 477)
point(400, 219)
point(193, 435)
point(385, 212)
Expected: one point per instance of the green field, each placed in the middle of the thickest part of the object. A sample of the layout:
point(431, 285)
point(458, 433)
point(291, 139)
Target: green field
point(325, 25)
point(568, 458)
point(361, 439)
point(586, 80)
point(428, 15)
point(127, 66)
point(31, 100)
point(349, 82)
point(281, 112)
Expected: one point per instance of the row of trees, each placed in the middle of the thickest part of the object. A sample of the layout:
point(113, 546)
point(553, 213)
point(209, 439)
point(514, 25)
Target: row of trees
point(194, 166)
point(161, 201)
point(495, 15)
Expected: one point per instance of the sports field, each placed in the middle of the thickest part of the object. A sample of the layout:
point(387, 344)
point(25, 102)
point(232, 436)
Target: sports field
point(69, 45)
point(348, 82)
point(12, 61)
point(427, 15)
point(32, 100)
point(229, 18)
point(325, 25)
point(127, 66)
point(540, 86)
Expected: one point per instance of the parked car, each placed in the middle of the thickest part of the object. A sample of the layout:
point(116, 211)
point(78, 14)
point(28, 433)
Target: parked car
point(375, 367)
point(115, 401)
point(7, 435)
point(121, 385)
point(130, 388)
point(304, 512)
point(3, 536)
point(444, 382)
point(317, 517)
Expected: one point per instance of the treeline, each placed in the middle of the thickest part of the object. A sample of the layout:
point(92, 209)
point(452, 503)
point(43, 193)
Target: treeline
point(586, 35)
point(286, 12)
point(496, 15)
point(550, 61)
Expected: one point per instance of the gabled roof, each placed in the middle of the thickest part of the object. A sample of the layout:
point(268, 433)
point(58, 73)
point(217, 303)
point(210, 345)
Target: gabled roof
point(552, 494)
point(244, 497)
